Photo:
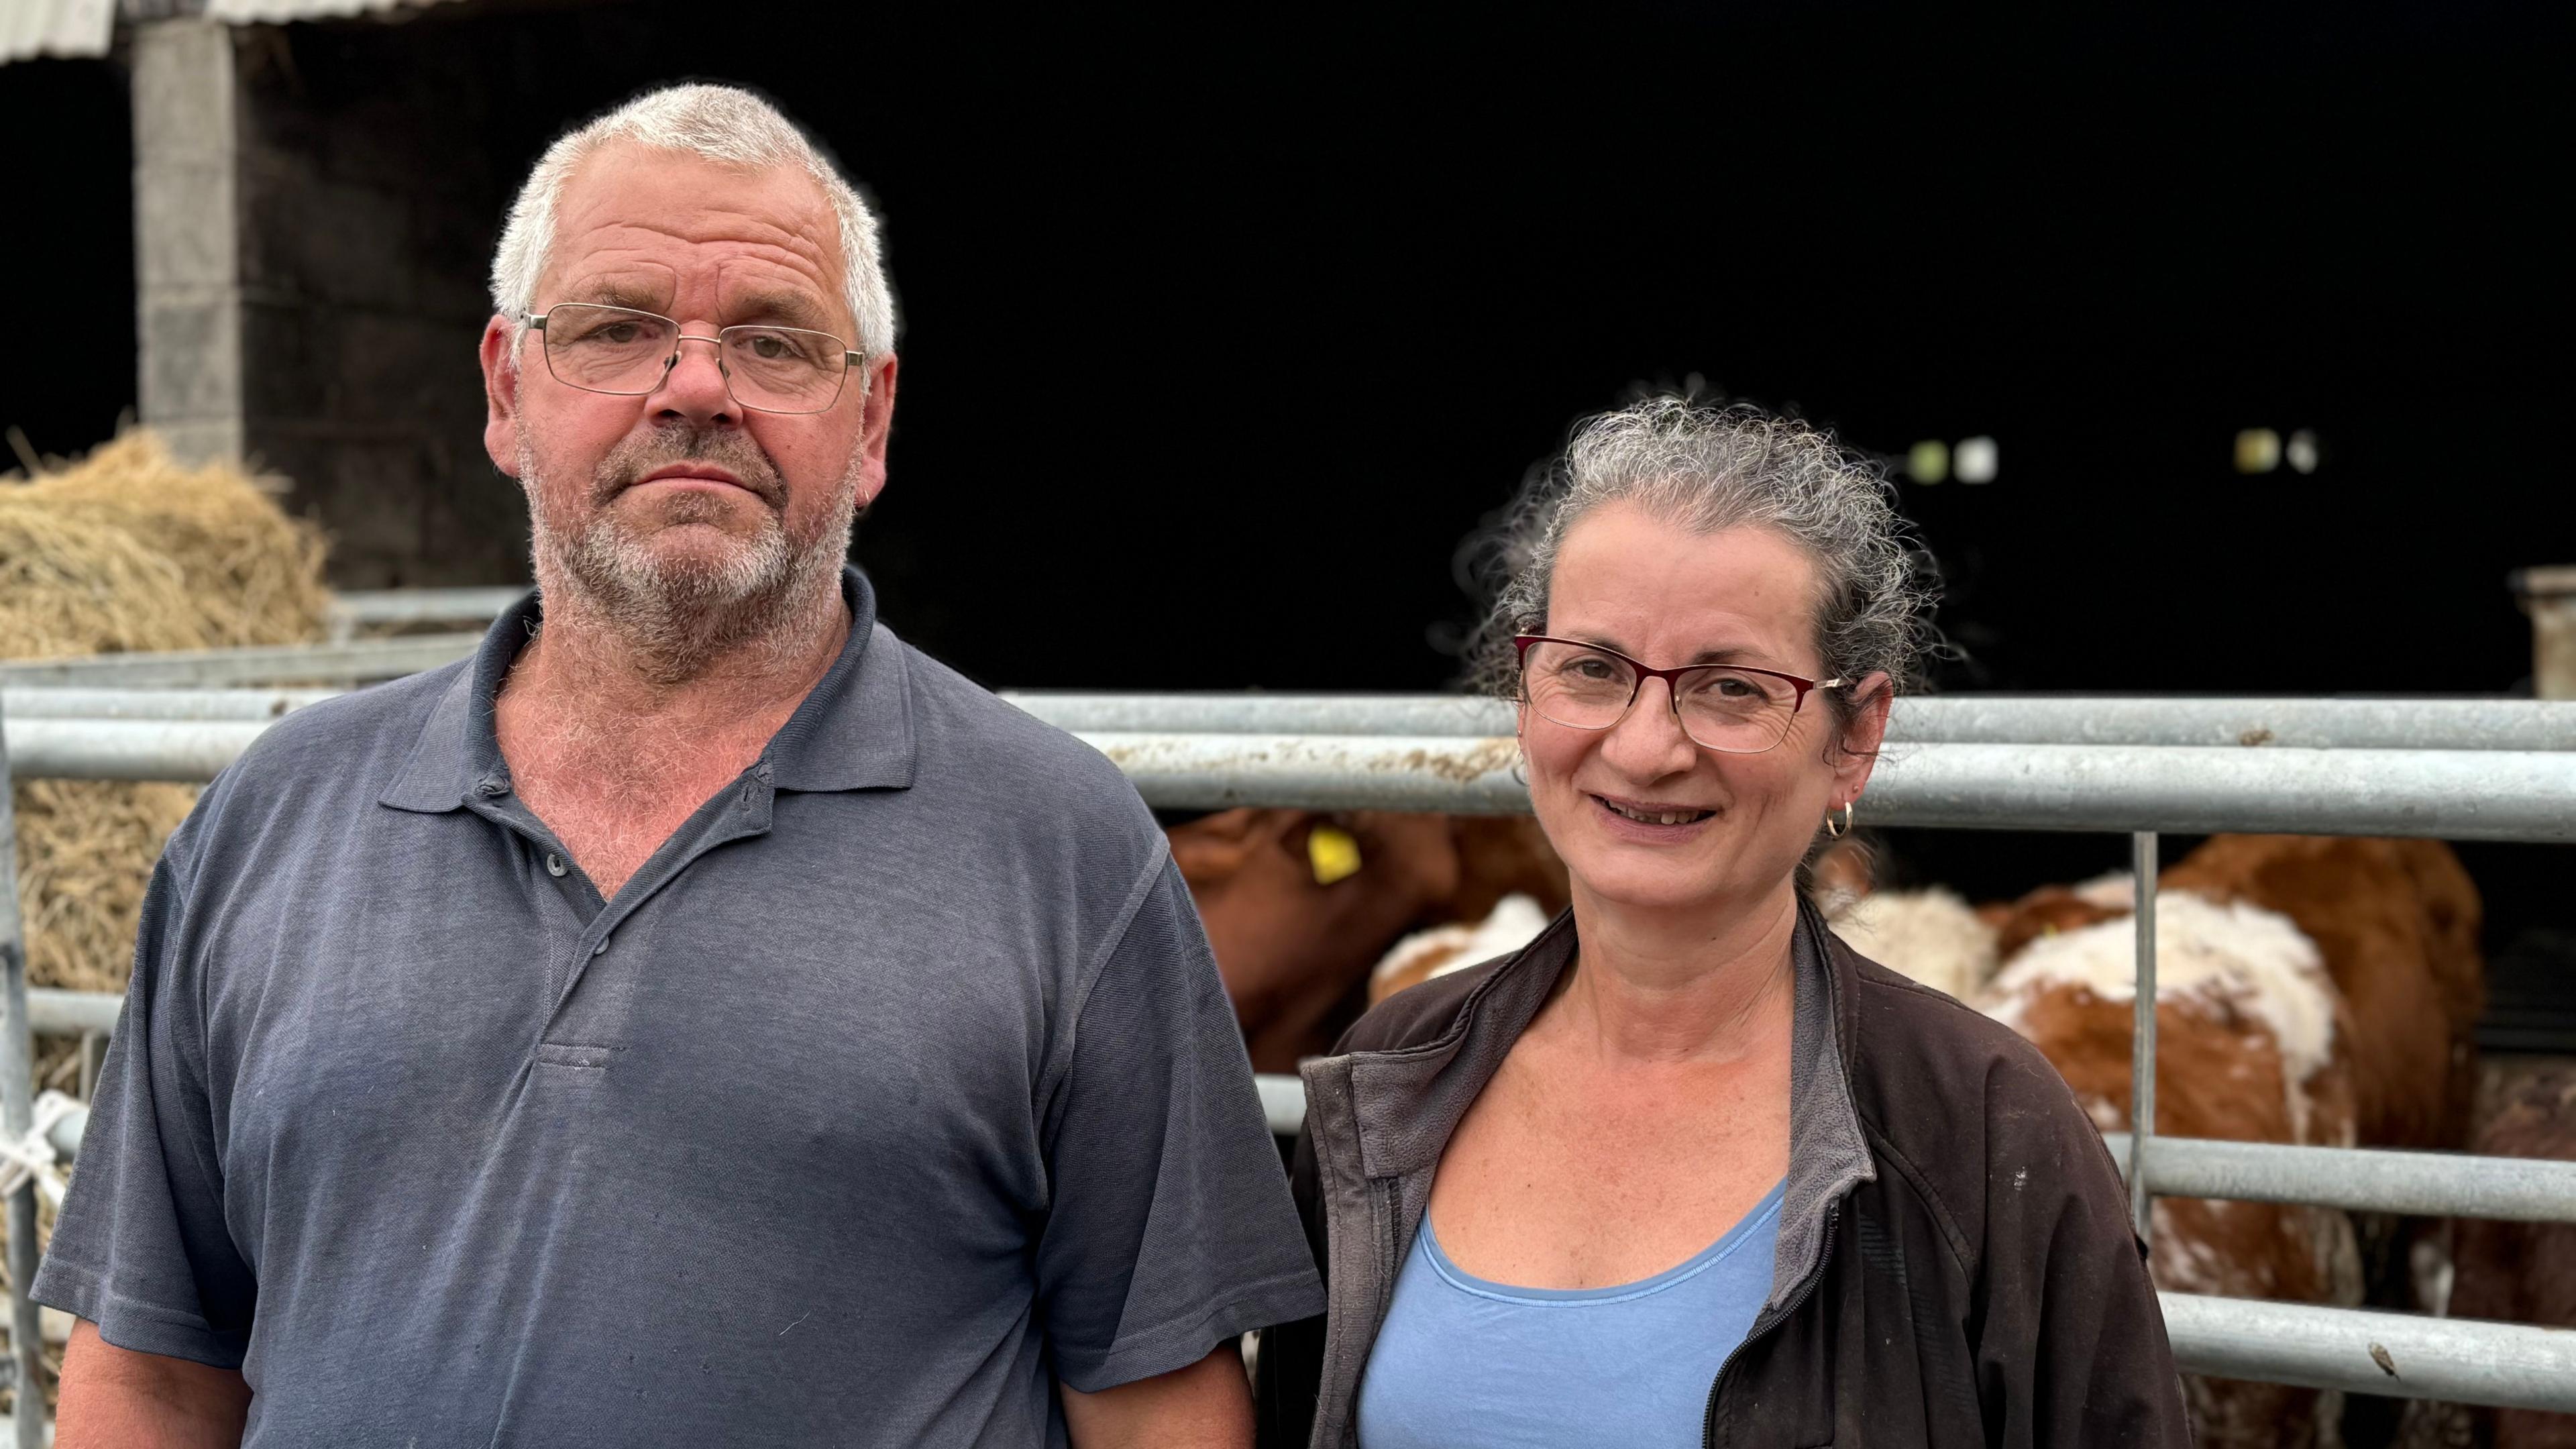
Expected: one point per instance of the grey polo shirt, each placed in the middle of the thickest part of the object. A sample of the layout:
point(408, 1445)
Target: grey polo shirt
point(898, 1084)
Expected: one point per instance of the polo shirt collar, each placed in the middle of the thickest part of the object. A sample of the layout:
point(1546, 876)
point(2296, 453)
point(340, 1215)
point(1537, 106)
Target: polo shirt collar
point(853, 732)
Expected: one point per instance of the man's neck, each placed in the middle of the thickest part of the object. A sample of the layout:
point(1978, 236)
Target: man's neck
point(581, 657)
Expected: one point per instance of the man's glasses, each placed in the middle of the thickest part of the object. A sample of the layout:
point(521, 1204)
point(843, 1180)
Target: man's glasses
point(1724, 707)
point(626, 352)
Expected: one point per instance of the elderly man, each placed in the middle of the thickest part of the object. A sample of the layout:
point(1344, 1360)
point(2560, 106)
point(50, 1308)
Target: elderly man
point(699, 1018)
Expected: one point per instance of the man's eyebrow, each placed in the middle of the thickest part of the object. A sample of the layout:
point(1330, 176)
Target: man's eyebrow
point(787, 309)
point(609, 292)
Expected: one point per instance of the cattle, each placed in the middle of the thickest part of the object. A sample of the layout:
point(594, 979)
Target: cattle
point(2253, 1045)
point(1295, 941)
point(2315, 992)
point(2523, 1272)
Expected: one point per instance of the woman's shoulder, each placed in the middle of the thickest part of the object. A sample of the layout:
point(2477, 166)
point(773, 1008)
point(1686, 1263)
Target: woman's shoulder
point(1419, 1013)
point(1953, 1092)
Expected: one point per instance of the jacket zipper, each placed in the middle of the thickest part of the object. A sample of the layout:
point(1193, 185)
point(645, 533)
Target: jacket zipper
point(1797, 1300)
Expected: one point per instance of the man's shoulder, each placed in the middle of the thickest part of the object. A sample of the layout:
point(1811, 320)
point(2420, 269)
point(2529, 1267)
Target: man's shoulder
point(356, 737)
point(968, 735)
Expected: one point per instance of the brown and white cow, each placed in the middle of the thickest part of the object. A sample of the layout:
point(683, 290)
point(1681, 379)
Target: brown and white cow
point(1295, 944)
point(2309, 991)
point(2523, 1272)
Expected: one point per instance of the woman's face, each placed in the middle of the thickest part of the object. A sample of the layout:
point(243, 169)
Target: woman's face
point(1669, 598)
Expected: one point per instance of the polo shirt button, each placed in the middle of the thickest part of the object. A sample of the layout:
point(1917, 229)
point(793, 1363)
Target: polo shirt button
point(554, 863)
point(601, 949)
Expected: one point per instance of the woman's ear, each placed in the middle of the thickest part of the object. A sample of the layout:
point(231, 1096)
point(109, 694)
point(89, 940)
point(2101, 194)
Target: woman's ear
point(1861, 738)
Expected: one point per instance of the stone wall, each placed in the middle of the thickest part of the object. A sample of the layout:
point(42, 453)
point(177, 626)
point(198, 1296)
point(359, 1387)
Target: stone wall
point(314, 213)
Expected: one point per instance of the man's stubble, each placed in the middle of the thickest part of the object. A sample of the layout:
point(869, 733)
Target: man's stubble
point(677, 613)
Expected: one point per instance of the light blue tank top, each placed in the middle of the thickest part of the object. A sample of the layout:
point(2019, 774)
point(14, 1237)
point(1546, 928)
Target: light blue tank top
point(1461, 1363)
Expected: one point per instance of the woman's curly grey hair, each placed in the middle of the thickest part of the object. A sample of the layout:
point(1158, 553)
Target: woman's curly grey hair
point(1705, 467)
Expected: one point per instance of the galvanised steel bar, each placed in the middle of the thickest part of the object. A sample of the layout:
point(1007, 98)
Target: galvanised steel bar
point(81, 702)
point(2360, 1179)
point(2452, 795)
point(2142, 1035)
point(2442, 724)
point(2386, 724)
point(1322, 772)
point(2400, 1355)
point(2445, 794)
point(365, 659)
point(2427, 1184)
point(426, 606)
point(2298, 724)
point(1269, 714)
point(17, 1115)
point(129, 749)
point(52, 1011)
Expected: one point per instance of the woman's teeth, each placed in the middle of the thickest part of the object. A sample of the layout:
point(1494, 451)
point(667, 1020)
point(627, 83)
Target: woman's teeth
point(1657, 817)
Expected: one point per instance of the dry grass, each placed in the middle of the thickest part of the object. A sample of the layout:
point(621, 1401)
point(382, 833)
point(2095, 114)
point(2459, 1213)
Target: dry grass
point(123, 551)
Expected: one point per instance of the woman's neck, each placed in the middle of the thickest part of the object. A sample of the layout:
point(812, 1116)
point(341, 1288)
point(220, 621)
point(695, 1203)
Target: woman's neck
point(1662, 987)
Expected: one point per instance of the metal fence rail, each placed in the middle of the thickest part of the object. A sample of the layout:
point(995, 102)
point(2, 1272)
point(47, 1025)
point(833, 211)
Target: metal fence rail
point(2307, 724)
point(382, 607)
point(2401, 1355)
point(368, 659)
point(2359, 1179)
point(2311, 724)
point(2453, 794)
point(74, 701)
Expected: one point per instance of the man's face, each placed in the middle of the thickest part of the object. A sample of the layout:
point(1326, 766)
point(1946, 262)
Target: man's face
point(682, 496)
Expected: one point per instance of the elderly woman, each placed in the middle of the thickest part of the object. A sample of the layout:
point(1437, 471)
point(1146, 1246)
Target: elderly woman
point(1685, 1170)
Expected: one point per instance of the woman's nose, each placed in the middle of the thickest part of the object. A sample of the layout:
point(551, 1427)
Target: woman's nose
point(1648, 741)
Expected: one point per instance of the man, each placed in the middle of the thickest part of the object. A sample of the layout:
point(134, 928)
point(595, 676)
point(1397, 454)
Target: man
point(699, 1018)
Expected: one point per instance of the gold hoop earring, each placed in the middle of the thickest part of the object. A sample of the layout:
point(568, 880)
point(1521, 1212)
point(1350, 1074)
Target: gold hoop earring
point(1837, 830)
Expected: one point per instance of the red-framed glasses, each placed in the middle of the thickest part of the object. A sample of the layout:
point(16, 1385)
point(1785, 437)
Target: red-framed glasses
point(1731, 708)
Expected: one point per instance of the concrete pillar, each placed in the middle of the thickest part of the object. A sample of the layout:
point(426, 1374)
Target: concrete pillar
point(187, 236)
point(2548, 595)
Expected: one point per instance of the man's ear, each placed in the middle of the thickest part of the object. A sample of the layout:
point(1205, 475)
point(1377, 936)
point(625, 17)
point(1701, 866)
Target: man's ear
point(876, 424)
point(500, 357)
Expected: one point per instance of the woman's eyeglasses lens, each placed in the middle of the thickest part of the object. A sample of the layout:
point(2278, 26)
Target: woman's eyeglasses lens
point(1734, 711)
point(618, 350)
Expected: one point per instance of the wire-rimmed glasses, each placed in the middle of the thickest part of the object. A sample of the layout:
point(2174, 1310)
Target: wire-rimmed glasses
point(627, 352)
point(1730, 708)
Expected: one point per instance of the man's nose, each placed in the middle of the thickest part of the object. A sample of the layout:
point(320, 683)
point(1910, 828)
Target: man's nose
point(693, 389)
point(1648, 741)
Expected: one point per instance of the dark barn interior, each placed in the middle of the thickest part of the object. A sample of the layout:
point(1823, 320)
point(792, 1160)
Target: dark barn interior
point(1225, 328)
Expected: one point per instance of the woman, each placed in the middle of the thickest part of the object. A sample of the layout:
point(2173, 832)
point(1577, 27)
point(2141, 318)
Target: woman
point(1685, 1169)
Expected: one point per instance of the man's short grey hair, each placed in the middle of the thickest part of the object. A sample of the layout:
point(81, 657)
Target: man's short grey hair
point(1703, 468)
point(719, 123)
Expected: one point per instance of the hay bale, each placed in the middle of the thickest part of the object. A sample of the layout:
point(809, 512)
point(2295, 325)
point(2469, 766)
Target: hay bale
point(124, 551)
point(121, 552)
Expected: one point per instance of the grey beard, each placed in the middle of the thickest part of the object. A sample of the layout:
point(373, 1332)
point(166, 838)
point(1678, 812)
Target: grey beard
point(677, 617)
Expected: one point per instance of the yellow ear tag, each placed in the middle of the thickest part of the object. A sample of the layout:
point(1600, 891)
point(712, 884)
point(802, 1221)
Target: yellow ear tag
point(1333, 853)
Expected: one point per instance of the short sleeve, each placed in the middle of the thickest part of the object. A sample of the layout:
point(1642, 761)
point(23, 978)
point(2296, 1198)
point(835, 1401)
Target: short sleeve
point(1169, 1227)
point(141, 1248)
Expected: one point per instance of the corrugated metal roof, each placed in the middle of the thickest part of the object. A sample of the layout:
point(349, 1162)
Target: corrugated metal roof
point(278, 12)
point(30, 28)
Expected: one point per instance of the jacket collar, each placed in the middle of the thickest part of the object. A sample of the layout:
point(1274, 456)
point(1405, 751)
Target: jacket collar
point(853, 732)
point(1406, 1102)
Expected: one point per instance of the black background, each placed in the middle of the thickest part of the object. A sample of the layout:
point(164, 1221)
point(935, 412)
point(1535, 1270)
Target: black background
point(1225, 326)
